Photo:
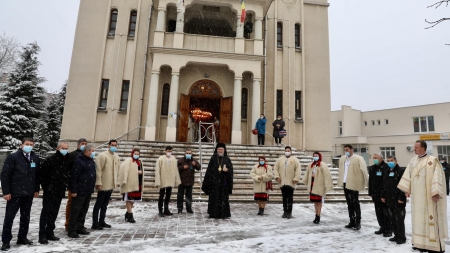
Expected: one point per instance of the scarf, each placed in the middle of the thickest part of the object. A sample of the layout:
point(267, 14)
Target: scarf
point(135, 160)
point(318, 161)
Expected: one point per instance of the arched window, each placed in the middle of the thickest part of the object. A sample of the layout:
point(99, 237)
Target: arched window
point(132, 25)
point(113, 22)
point(280, 34)
point(297, 36)
point(244, 103)
point(165, 99)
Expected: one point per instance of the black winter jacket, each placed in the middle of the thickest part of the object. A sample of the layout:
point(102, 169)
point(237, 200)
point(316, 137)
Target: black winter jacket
point(390, 192)
point(376, 179)
point(82, 176)
point(54, 174)
point(19, 175)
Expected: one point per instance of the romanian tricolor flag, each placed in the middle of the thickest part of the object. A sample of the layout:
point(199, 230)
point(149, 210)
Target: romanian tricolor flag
point(243, 14)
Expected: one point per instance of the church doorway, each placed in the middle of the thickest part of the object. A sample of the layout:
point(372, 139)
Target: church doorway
point(205, 103)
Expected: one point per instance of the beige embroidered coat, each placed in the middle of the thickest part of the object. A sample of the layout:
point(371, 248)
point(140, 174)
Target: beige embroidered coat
point(289, 173)
point(165, 175)
point(323, 182)
point(129, 176)
point(107, 168)
point(259, 186)
point(357, 177)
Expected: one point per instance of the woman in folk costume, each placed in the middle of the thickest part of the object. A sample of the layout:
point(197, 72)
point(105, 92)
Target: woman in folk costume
point(318, 181)
point(218, 183)
point(261, 174)
point(131, 180)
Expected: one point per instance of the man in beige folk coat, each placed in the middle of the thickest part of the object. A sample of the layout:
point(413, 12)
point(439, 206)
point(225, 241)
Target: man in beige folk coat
point(287, 173)
point(166, 177)
point(353, 177)
point(107, 168)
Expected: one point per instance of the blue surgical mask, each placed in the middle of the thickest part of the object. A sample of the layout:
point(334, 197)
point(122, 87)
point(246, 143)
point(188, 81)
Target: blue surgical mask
point(376, 162)
point(93, 155)
point(82, 147)
point(27, 149)
point(112, 149)
point(442, 162)
point(391, 164)
point(347, 154)
point(262, 162)
point(63, 152)
point(316, 158)
point(136, 157)
point(188, 156)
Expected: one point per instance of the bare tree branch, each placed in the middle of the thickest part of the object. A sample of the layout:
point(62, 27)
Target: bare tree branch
point(435, 23)
point(436, 5)
point(9, 52)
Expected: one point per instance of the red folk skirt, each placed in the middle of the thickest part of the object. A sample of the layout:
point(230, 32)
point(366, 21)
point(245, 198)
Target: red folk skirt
point(314, 197)
point(261, 196)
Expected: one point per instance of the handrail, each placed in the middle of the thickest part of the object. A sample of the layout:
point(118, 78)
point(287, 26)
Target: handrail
point(117, 138)
point(200, 151)
point(274, 137)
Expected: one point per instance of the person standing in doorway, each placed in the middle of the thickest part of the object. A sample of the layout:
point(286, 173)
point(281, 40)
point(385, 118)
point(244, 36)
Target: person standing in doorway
point(187, 166)
point(278, 125)
point(262, 183)
point(108, 163)
point(166, 177)
point(261, 127)
point(353, 177)
point(446, 168)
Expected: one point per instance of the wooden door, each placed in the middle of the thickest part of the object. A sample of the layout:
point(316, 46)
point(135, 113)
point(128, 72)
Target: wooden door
point(226, 113)
point(183, 125)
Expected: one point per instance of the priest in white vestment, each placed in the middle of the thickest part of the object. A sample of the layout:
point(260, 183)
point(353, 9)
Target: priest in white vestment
point(424, 182)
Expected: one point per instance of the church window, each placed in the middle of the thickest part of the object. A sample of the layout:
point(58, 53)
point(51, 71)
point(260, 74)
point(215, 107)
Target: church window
point(124, 95)
point(244, 103)
point(297, 36)
point(104, 94)
point(132, 26)
point(165, 100)
point(280, 34)
point(279, 102)
point(113, 22)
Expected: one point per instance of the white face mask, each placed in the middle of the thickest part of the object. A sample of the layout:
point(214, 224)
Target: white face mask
point(287, 153)
point(169, 154)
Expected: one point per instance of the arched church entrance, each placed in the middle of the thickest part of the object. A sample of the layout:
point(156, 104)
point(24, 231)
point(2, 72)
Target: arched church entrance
point(205, 103)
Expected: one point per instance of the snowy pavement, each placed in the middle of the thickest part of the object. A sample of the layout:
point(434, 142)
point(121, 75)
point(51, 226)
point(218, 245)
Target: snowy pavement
point(244, 232)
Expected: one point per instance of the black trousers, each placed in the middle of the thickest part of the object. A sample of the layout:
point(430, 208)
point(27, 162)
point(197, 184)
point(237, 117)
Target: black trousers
point(278, 140)
point(167, 192)
point(446, 180)
point(381, 213)
point(23, 203)
point(396, 215)
point(50, 207)
point(261, 139)
point(78, 211)
point(182, 190)
point(352, 198)
point(288, 198)
point(101, 204)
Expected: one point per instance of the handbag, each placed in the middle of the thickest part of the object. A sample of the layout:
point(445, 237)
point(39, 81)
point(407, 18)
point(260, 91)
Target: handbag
point(255, 131)
point(269, 185)
point(282, 133)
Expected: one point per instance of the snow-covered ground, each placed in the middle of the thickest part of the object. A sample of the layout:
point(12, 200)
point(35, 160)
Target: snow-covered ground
point(244, 232)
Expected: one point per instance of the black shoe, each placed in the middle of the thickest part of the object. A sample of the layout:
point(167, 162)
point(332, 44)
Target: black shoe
point(52, 238)
point(289, 215)
point(180, 211)
point(126, 216)
point(420, 250)
point(400, 241)
point(160, 214)
point(103, 224)
point(131, 218)
point(262, 211)
point(189, 211)
point(73, 235)
point(351, 224)
point(83, 232)
point(5, 246)
point(259, 212)
point(96, 226)
point(43, 241)
point(24, 241)
point(387, 234)
point(357, 224)
point(379, 232)
point(393, 239)
point(167, 212)
point(317, 220)
point(284, 215)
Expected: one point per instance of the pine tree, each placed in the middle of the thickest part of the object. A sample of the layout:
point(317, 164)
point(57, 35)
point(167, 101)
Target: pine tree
point(22, 104)
point(54, 120)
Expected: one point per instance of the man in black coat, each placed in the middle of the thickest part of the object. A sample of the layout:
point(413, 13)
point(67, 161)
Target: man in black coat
point(54, 178)
point(19, 186)
point(82, 184)
point(187, 166)
point(82, 142)
point(376, 173)
point(395, 200)
point(446, 168)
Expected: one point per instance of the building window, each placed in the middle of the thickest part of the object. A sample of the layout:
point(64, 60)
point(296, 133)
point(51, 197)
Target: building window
point(387, 151)
point(423, 124)
point(280, 34)
point(244, 103)
point(379, 122)
point(373, 122)
point(165, 100)
point(113, 22)
point(297, 36)
point(132, 26)
point(444, 152)
point(298, 104)
point(104, 94)
point(340, 128)
point(386, 121)
point(279, 102)
point(171, 26)
point(124, 96)
point(365, 123)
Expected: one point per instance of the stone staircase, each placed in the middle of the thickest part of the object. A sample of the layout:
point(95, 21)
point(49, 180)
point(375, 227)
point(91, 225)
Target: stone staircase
point(243, 157)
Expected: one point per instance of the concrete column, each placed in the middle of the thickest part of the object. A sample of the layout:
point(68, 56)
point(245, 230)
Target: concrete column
point(180, 22)
point(171, 131)
point(150, 130)
point(256, 105)
point(178, 37)
point(239, 28)
point(236, 133)
point(258, 29)
point(161, 22)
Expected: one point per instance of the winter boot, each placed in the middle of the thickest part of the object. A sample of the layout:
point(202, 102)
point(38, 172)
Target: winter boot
point(166, 211)
point(379, 232)
point(262, 211)
point(351, 224)
point(259, 212)
point(96, 226)
point(126, 216)
point(317, 219)
point(357, 224)
point(131, 218)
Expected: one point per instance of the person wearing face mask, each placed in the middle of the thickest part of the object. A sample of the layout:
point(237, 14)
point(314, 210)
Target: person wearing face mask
point(20, 185)
point(318, 181)
point(108, 163)
point(446, 168)
point(187, 166)
point(287, 172)
point(81, 143)
point(82, 184)
point(261, 174)
point(131, 181)
point(278, 125)
point(261, 127)
point(376, 178)
point(166, 177)
point(395, 200)
point(353, 178)
point(218, 183)
point(54, 178)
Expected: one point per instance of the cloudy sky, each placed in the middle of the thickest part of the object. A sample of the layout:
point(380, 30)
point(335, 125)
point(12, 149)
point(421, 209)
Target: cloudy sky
point(381, 55)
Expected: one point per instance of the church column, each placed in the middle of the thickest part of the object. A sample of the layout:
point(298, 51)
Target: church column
point(258, 29)
point(150, 130)
point(258, 47)
point(236, 133)
point(239, 42)
point(256, 104)
point(178, 36)
point(171, 131)
point(160, 28)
